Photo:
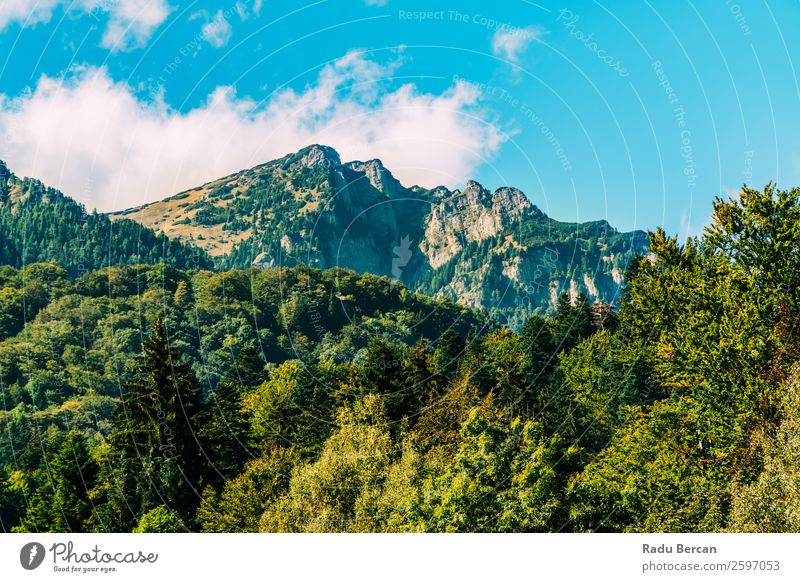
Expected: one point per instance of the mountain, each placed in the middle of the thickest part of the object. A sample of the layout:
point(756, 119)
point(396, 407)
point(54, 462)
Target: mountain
point(40, 224)
point(491, 250)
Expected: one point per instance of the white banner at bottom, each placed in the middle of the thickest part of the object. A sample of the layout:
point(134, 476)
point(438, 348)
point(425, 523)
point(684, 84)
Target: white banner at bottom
point(417, 557)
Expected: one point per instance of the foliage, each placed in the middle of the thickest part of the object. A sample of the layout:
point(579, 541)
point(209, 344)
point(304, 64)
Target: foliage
point(160, 520)
point(768, 501)
point(39, 224)
point(243, 500)
point(155, 451)
point(156, 399)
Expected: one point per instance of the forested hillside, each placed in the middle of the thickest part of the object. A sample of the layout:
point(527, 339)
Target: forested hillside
point(40, 224)
point(151, 399)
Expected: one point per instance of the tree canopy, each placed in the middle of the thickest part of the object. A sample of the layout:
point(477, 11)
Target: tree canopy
point(148, 398)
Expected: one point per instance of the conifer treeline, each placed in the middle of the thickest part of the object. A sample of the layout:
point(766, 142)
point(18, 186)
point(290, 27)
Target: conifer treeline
point(40, 224)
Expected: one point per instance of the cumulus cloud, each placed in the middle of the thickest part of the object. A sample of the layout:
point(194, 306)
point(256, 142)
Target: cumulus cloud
point(218, 31)
point(94, 139)
point(26, 11)
point(131, 23)
point(510, 43)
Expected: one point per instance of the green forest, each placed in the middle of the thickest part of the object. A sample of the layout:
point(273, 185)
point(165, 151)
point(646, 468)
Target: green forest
point(155, 398)
point(38, 223)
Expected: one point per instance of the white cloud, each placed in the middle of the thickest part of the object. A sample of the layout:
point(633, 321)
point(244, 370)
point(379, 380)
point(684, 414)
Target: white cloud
point(91, 137)
point(217, 31)
point(26, 11)
point(241, 8)
point(131, 23)
point(510, 43)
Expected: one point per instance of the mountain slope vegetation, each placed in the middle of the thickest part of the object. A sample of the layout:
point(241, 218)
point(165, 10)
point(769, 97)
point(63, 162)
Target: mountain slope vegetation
point(40, 224)
point(494, 251)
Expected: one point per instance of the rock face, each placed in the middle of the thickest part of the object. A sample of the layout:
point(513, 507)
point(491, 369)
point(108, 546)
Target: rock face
point(379, 177)
point(492, 250)
point(318, 156)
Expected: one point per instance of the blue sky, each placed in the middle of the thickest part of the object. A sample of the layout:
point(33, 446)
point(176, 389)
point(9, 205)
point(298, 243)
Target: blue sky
point(639, 113)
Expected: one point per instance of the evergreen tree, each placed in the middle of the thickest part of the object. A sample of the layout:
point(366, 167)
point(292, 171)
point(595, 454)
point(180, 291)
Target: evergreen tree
point(248, 368)
point(156, 452)
point(541, 356)
point(63, 504)
point(540, 350)
point(381, 373)
point(572, 322)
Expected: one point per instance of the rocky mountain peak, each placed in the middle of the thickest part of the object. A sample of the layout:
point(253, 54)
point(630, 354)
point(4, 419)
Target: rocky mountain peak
point(490, 249)
point(472, 195)
point(317, 156)
point(475, 189)
point(380, 178)
point(510, 202)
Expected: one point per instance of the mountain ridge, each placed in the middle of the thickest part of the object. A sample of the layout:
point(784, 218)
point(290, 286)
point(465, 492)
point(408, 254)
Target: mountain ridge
point(41, 224)
point(494, 250)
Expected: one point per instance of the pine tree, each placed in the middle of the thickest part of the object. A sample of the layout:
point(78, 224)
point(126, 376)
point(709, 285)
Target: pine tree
point(381, 373)
point(538, 363)
point(540, 351)
point(62, 503)
point(248, 369)
point(572, 323)
point(156, 452)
